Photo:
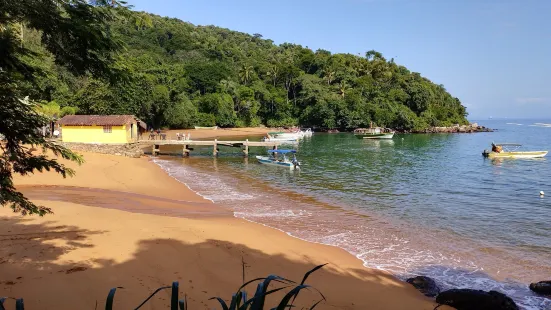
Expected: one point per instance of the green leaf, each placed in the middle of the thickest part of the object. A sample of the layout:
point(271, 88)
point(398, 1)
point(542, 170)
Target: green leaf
point(153, 294)
point(306, 277)
point(317, 303)
point(19, 304)
point(174, 297)
point(183, 304)
point(261, 297)
point(222, 302)
point(110, 298)
point(285, 301)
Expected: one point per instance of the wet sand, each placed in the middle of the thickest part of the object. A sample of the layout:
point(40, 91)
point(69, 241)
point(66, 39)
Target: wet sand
point(124, 222)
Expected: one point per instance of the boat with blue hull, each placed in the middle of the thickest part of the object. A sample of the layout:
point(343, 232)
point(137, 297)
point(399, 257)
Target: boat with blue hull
point(284, 161)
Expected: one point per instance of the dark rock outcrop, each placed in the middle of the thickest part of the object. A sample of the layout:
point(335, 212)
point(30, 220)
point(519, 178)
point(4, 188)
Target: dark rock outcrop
point(425, 285)
point(543, 287)
point(467, 299)
point(474, 127)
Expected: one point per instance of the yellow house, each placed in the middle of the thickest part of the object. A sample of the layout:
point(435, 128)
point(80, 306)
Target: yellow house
point(108, 129)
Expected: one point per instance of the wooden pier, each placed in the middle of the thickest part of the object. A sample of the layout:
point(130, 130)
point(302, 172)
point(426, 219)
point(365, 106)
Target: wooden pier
point(244, 145)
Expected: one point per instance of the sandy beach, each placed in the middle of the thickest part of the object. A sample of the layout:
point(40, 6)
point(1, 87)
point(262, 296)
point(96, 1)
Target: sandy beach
point(123, 222)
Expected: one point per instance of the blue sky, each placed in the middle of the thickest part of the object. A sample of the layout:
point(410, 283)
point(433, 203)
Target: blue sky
point(491, 54)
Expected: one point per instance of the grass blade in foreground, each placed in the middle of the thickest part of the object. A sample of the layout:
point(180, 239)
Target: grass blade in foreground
point(306, 275)
point(174, 297)
point(110, 298)
point(19, 304)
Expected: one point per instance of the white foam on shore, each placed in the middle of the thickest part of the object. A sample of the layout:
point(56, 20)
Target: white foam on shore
point(376, 246)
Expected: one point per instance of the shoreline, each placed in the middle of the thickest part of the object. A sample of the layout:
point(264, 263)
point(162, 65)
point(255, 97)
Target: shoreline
point(280, 252)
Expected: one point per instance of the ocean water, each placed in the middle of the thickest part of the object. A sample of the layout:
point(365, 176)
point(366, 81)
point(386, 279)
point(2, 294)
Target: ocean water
point(415, 205)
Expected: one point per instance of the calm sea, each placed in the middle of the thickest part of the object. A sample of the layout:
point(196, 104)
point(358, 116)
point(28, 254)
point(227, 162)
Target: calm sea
point(415, 205)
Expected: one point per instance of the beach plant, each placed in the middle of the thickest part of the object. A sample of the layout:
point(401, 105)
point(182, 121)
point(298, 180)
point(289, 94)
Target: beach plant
point(18, 303)
point(239, 300)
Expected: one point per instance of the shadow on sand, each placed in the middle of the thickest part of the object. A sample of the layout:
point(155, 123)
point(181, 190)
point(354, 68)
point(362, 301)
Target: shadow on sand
point(30, 268)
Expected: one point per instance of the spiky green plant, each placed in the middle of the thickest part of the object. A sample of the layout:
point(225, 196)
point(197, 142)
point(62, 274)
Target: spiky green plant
point(18, 303)
point(239, 300)
point(257, 302)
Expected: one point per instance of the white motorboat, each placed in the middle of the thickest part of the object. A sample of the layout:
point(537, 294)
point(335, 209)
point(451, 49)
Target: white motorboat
point(282, 137)
point(307, 132)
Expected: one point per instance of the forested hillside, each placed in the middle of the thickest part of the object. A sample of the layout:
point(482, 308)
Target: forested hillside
point(179, 75)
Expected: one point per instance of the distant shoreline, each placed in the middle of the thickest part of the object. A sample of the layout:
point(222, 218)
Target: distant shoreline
point(260, 131)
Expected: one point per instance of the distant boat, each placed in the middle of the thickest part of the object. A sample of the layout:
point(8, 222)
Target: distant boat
point(374, 133)
point(509, 150)
point(272, 160)
point(281, 136)
point(307, 132)
point(208, 128)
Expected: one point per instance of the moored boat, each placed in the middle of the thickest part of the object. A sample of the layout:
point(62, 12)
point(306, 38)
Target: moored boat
point(209, 128)
point(374, 133)
point(290, 137)
point(307, 132)
point(510, 150)
point(272, 160)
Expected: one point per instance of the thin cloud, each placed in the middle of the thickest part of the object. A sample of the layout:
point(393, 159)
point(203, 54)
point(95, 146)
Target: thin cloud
point(530, 100)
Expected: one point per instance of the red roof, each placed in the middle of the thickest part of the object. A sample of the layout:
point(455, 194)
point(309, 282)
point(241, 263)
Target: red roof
point(100, 120)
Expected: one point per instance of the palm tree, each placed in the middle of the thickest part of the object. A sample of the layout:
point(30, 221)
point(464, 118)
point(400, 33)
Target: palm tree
point(142, 20)
point(273, 72)
point(245, 74)
point(329, 76)
point(343, 88)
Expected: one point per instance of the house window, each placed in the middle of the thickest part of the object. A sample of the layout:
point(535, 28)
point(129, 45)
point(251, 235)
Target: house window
point(107, 129)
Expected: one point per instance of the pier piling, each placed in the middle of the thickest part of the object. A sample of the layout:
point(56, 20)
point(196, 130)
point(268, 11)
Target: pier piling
point(188, 145)
point(215, 148)
point(156, 149)
point(246, 147)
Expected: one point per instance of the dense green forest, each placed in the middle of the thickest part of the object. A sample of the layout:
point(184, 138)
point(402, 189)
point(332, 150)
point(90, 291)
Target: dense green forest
point(177, 75)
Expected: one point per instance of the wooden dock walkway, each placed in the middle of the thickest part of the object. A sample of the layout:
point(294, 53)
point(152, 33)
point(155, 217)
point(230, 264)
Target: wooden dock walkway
point(244, 145)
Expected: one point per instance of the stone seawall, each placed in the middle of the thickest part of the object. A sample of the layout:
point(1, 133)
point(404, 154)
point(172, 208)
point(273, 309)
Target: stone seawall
point(129, 150)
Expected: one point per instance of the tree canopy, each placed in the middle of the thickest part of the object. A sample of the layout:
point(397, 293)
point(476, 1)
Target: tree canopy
point(179, 75)
point(43, 46)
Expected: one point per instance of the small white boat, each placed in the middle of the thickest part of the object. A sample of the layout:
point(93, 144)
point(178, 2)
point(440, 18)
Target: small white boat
point(374, 133)
point(285, 140)
point(209, 128)
point(509, 150)
point(307, 132)
point(282, 137)
point(272, 160)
